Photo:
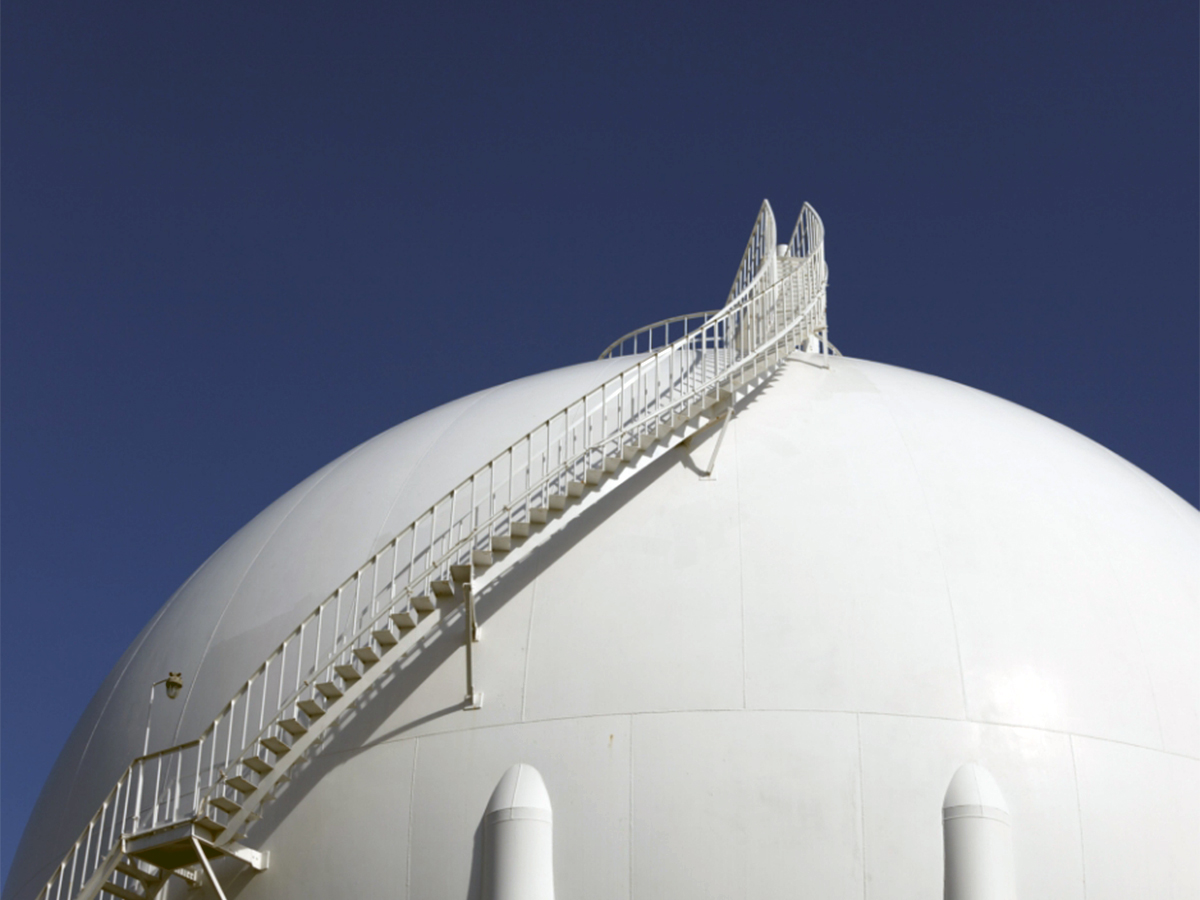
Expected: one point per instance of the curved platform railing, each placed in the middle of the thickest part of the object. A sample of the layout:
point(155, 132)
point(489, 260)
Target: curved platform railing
point(217, 781)
point(651, 337)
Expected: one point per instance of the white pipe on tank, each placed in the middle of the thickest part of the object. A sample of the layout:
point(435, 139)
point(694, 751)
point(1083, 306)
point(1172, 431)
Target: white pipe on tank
point(518, 849)
point(977, 831)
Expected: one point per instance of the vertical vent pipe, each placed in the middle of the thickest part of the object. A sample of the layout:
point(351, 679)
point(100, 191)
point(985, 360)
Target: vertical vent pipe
point(977, 831)
point(518, 850)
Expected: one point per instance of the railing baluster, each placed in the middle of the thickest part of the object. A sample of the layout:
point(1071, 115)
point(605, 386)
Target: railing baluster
point(199, 766)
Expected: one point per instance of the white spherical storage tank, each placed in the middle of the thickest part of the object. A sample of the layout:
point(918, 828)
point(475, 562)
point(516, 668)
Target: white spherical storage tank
point(834, 629)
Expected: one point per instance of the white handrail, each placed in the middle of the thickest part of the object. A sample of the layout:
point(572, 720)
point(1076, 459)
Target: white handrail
point(647, 334)
point(766, 317)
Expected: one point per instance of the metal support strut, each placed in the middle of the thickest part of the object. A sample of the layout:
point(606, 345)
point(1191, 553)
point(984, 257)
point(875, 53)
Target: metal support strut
point(474, 698)
point(208, 869)
point(712, 463)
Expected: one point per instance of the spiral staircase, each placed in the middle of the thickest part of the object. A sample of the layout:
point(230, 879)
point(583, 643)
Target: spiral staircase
point(173, 811)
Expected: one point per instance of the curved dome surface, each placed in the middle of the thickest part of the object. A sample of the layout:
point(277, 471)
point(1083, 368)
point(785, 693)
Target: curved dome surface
point(730, 685)
point(254, 589)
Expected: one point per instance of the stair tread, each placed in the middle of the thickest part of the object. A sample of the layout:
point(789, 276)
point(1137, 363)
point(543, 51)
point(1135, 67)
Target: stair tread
point(384, 637)
point(238, 783)
point(124, 893)
point(258, 764)
point(312, 708)
point(329, 689)
point(128, 868)
point(293, 727)
point(275, 745)
point(225, 805)
point(367, 655)
point(404, 619)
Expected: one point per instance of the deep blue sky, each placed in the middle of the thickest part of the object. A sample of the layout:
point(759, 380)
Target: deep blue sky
point(238, 241)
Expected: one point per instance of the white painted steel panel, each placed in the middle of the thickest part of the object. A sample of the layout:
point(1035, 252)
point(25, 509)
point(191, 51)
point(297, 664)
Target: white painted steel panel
point(746, 804)
point(650, 597)
point(845, 590)
point(774, 673)
point(351, 815)
point(1140, 815)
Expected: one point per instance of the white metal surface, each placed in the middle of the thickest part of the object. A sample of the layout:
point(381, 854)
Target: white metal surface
point(332, 659)
point(740, 685)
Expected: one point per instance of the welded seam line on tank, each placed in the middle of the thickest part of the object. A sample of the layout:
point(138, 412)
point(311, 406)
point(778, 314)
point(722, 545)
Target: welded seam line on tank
point(1124, 605)
point(1079, 815)
point(631, 842)
point(862, 805)
point(528, 645)
point(242, 580)
point(737, 490)
point(412, 807)
point(772, 709)
point(962, 674)
point(419, 464)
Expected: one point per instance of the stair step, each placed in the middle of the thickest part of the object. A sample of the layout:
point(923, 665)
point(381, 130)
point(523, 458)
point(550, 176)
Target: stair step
point(461, 574)
point(481, 558)
point(293, 727)
point(367, 655)
point(258, 764)
point(209, 824)
point(188, 876)
point(226, 805)
point(404, 619)
point(329, 690)
point(646, 441)
point(124, 893)
point(348, 672)
point(312, 708)
point(385, 638)
point(611, 464)
point(558, 501)
point(630, 451)
point(575, 488)
point(425, 603)
point(275, 745)
point(520, 529)
point(539, 515)
point(442, 589)
point(240, 784)
point(501, 543)
point(128, 868)
point(593, 476)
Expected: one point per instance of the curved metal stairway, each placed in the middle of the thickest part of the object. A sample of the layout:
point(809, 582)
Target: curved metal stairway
point(173, 810)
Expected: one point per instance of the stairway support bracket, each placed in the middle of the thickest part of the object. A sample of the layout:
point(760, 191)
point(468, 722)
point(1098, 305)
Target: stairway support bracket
point(474, 698)
point(208, 869)
point(712, 463)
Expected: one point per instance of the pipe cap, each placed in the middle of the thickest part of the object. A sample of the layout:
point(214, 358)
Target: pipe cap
point(520, 788)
